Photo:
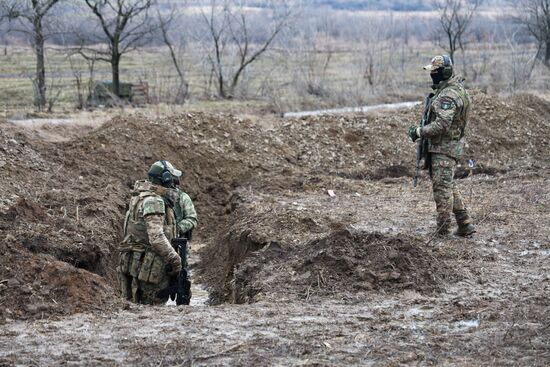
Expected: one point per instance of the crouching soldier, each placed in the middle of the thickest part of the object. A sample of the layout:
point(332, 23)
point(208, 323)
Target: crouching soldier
point(147, 260)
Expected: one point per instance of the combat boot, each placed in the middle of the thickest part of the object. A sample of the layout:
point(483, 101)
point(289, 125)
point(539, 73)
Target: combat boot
point(465, 226)
point(465, 230)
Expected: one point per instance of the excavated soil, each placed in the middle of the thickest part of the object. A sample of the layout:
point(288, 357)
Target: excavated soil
point(341, 263)
point(317, 249)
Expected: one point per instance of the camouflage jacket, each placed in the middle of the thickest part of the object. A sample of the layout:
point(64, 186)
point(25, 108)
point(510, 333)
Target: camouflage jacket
point(186, 215)
point(146, 201)
point(448, 117)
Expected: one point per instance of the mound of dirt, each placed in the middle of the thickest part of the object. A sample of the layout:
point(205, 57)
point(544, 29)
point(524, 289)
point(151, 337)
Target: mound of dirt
point(339, 265)
point(34, 285)
point(55, 246)
point(509, 133)
point(274, 249)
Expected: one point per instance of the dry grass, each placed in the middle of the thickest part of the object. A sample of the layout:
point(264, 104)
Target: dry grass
point(278, 82)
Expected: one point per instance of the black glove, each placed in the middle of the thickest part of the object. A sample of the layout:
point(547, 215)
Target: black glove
point(413, 132)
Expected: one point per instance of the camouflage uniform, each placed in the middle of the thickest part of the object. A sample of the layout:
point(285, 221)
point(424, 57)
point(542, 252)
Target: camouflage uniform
point(448, 116)
point(184, 210)
point(145, 251)
point(186, 215)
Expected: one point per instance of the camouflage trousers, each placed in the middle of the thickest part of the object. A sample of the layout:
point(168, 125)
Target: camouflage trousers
point(141, 274)
point(446, 195)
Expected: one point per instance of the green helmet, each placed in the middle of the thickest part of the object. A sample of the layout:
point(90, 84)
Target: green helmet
point(164, 173)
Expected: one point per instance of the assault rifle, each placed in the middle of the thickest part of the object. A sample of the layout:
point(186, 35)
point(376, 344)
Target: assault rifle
point(183, 291)
point(180, 286)
point(422, 144)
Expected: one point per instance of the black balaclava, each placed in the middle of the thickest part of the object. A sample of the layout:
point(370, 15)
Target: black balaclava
point(158, 181)
point(437, 76)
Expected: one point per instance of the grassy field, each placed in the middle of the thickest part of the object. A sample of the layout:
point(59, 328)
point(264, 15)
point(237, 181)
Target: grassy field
point(280, 81)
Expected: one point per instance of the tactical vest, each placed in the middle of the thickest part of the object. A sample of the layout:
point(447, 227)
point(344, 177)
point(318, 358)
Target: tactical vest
point(136, 257)
point(135, 230)
point(451, 143)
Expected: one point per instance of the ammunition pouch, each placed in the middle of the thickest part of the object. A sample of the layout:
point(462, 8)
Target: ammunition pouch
point(144, 265)
point(152, 268)
point(129, 262)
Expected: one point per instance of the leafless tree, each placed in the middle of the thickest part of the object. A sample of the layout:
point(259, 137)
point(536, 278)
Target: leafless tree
point(125, 25)
point(377, 52)
point(55, 89)
point(311, 55)
point(79, 83)
point(84, 88)
point(165, 23)
point(535, 14)
point(228, 29)
point(30, 15)
point(455, 16)
point(519, 64)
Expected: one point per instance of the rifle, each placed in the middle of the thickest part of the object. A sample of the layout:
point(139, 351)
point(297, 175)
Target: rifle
point(183, 292)
point(422, 145)
point(180, 286)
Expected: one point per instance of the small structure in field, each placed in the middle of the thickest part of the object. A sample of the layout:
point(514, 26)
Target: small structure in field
point(135, 93)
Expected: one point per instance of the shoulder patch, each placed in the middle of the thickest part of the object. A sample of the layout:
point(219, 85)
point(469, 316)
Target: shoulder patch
point(153, 205)
point(446, 103)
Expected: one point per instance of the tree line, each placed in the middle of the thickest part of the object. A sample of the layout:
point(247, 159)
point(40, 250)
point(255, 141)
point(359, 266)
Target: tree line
point(232, 35)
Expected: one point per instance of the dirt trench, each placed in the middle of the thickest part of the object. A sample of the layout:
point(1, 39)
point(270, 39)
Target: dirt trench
point(360, 265)
point(488, 304)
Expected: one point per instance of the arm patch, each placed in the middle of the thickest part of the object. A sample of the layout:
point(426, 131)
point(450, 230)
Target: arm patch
point(153, 205)
point(446, 103)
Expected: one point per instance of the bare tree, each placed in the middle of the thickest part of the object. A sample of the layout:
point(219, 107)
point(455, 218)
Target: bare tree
point(77, 73)
point(229, 29)
point(30, 15)
point(377, 52)
point(519, 64)
point(535, 14)
point(311, 54)
point(165, 23)
point(125, 25)
point(84, 88)
point(455, 16)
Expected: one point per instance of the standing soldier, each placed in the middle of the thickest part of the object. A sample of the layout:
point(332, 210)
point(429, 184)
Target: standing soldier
point(147, 260)
point(186, 215)
point(444, 130)
point(186, 219)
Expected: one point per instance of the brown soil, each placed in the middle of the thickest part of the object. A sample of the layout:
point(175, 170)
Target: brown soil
point(339, 264)
point(276, 239)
